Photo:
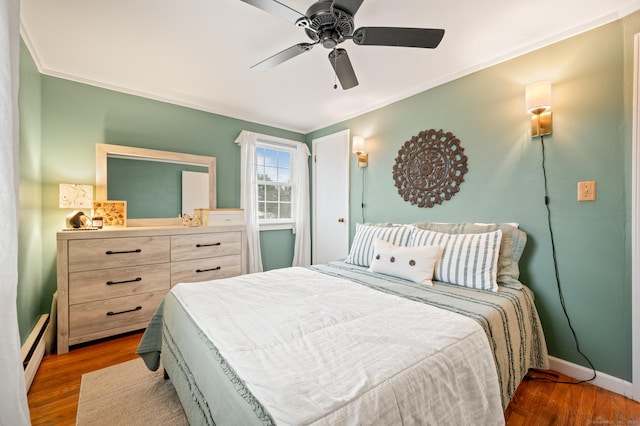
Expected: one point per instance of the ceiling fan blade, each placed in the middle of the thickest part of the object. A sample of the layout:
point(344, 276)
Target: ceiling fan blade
point(406, 37)
point(277, 9)
point(349, 6)
point(283, 56)
point(344, 70)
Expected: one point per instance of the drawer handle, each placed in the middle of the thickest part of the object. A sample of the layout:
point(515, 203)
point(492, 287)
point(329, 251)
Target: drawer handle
point(111, 313)
point(217, 268)
point(124, 282)
point(208, 245)
point(123, 252)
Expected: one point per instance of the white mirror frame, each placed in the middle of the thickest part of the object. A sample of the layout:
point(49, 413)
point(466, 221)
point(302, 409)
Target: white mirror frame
point(103, 151)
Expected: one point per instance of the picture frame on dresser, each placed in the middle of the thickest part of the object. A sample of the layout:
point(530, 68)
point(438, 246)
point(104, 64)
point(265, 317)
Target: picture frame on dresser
point(113, 213)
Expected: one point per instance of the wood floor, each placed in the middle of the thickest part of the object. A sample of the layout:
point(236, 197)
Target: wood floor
point(53, 397)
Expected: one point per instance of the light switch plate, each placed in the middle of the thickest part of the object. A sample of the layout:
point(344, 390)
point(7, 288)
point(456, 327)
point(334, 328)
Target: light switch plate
point(587, 190)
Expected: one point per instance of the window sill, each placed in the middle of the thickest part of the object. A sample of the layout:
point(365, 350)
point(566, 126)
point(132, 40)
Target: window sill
point(275, 226)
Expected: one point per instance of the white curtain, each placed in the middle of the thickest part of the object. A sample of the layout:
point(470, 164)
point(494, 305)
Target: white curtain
point(249, 197)
point(302, 249)
point(14, 409)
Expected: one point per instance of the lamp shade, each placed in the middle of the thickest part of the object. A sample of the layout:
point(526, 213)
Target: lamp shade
point(358, 144)
point(74, 196)
point(538, 97)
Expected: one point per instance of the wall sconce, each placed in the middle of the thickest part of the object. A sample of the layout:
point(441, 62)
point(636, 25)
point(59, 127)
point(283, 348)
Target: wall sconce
point(76, 197)
point(358, 149)
point(538, 102)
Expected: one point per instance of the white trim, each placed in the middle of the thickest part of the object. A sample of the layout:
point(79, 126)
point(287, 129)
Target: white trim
point(280, 146)
point(635, 224)
point(602, 380)
point(275, 226)
point(33, 337)
point(277, 142)
point(36, 346)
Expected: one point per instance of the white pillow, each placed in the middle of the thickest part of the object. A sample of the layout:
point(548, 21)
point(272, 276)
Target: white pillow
point(411, 263)
point(361, 251)
point(469, 260)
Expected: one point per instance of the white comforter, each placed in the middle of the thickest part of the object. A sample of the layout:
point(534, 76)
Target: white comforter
point(316, 349)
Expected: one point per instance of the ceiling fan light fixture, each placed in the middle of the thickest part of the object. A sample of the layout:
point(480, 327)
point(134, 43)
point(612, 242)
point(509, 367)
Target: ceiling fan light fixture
point(330, 39)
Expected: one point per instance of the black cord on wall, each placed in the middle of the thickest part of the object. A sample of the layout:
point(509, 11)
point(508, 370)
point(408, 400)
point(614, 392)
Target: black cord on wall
point(362, 196)
point(555, 267)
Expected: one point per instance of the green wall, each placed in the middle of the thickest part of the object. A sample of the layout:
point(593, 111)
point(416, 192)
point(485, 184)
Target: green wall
point(32, 294)
point(592, 122)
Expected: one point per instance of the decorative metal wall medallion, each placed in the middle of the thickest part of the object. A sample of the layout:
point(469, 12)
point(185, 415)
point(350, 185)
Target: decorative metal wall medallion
point(430, 168)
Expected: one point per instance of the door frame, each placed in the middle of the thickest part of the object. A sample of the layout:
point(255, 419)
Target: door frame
point(635, 225)
point(347, 134)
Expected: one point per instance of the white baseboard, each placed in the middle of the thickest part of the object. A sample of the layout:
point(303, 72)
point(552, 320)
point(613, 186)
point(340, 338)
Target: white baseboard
point(33, 350)
point(602, 380)
point(32, 367)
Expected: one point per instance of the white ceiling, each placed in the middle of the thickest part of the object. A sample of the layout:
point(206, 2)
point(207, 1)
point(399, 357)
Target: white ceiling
point(198, 53)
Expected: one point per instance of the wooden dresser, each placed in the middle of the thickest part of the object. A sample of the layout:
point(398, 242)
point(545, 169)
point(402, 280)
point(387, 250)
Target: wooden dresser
point(111, 281)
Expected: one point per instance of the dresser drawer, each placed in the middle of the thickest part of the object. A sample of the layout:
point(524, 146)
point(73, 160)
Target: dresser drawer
point(87, 286)
point(205, 269)
point(132, 312)
point(104, 253)
point(198, 246)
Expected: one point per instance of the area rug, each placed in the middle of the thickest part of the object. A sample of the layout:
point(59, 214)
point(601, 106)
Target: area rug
point(128, 394)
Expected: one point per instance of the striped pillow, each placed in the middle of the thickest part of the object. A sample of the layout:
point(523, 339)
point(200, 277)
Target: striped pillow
point(361, 252)
point(469, 260)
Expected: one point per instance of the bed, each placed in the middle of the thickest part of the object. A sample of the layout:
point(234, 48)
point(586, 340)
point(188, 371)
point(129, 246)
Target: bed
point(343, 343)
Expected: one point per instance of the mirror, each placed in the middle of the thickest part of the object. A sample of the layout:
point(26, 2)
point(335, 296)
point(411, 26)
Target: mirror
point(123, 154)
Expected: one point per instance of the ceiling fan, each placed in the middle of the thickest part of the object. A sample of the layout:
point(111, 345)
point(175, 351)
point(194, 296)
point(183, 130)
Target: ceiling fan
point(329, 23)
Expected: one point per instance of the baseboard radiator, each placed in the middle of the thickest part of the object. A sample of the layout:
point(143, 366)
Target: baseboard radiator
point(33, 349)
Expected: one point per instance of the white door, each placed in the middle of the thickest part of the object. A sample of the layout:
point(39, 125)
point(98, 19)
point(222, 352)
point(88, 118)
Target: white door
point(330, 240)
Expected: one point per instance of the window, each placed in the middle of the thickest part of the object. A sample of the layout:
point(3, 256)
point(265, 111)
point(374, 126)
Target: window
point(275, 187)
point(274, 192)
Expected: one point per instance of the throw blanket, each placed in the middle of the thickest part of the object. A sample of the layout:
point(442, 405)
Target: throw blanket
point(508, 317)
